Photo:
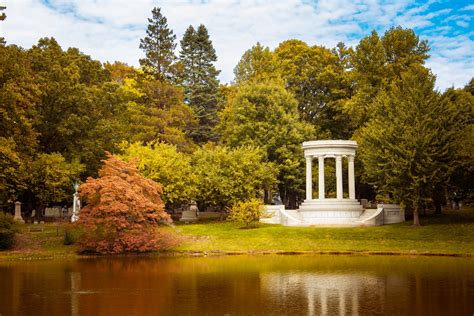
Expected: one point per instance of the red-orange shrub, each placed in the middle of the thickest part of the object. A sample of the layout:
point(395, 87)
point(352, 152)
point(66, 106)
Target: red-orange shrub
point(122, 211)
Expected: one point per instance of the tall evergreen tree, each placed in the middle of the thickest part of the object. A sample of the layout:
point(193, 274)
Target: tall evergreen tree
point(3, 16)
point(159, 46)
point(199, 78)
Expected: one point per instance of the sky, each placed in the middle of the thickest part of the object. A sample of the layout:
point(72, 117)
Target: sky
point(110, 30)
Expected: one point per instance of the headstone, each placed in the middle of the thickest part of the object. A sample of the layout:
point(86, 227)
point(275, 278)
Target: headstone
point(365, 203)
point(52, 211)
point(191, 214)
point(18, 217)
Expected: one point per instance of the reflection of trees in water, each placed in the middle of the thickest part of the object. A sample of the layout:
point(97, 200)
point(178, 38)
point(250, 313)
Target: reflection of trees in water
point(239, 286)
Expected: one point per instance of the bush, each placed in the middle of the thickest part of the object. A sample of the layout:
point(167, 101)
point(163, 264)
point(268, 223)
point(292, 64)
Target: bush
point(247, 212)
point(8, 229)
point(72, 234)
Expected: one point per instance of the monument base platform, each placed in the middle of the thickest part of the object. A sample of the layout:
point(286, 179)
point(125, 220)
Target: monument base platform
point(334, 213)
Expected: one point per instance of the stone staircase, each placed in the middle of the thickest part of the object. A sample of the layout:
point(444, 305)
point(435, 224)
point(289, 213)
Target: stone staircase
point(371, 217)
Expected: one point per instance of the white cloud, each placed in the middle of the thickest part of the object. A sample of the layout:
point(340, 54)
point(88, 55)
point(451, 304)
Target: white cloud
point(110, 30)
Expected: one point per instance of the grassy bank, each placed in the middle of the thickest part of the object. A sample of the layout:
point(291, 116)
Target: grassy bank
point(43, 241)
point(451, 233)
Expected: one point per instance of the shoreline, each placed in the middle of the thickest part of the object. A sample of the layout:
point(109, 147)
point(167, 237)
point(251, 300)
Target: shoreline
point(448, 235)
point(16, 257)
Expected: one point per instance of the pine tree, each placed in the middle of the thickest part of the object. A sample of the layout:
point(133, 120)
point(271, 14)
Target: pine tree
point(3, 16)
point(199, 78)
point(159, 46)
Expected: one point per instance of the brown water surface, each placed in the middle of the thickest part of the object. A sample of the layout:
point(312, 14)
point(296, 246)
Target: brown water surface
point(240, 285)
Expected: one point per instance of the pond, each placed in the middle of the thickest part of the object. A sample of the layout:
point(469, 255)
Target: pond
point(240, 285)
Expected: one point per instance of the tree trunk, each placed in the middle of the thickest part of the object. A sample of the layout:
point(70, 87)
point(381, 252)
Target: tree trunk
point(267, 198)
point(292, 200)
point(416, 217)
point(438, 207)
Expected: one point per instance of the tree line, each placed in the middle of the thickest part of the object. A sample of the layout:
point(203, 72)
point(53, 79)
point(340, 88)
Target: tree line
point(61, 111)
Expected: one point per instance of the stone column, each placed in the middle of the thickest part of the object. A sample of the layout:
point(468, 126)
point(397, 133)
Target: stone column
point(309, 178)
point(351, 178)
point(18, 212)
point(339, 176)
point(321, 178)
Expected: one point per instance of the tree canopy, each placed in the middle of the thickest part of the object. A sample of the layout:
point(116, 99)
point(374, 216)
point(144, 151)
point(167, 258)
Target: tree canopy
point(266, 115)
point(122, 210)
point(408, 147)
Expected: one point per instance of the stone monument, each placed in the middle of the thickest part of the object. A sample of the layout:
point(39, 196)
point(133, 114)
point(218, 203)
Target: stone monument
point(324, 210)
point(338, 211)
point(190, 215)
point(76, 204)
point(18, 217)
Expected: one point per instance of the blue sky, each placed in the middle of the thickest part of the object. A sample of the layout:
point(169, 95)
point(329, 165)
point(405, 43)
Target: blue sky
point(110, 30)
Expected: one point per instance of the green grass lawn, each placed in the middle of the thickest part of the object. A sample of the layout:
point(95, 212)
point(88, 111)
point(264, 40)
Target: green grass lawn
point(34, 244)
point(449, 233)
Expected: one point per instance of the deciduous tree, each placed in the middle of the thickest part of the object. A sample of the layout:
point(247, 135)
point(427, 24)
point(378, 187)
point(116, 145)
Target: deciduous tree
point(224, 176)
point(156, 113)
point(256, 63)
point(122, 211)
point(164, 164)
point(407, 148)
point(265, 115)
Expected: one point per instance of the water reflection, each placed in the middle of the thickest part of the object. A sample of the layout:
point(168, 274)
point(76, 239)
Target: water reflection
point(266, 285)
point(335, 294)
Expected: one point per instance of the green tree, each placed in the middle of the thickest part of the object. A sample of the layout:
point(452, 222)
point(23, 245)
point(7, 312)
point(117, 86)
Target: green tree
point(224, 176)
point(80, 111)
point(408, 147)
point(51, 178)
point(317, 77)
point(167, 166)
point(265, 115)
point(460, 184)
point(19, 97)
point(199, 79)
point(376, 62)
point(256, 63)
point(158, 45)
point(12, 172)
point(156, 112)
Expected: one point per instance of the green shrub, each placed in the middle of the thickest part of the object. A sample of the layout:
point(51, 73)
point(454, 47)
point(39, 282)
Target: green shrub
point(71, 235)
point(8, 229)
point(246, 212)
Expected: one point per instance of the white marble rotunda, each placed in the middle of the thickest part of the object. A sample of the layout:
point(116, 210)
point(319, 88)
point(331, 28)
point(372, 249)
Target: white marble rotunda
point(338, 211)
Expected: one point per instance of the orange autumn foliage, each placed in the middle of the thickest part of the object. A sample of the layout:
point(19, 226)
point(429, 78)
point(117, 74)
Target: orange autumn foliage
point(122, 211)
